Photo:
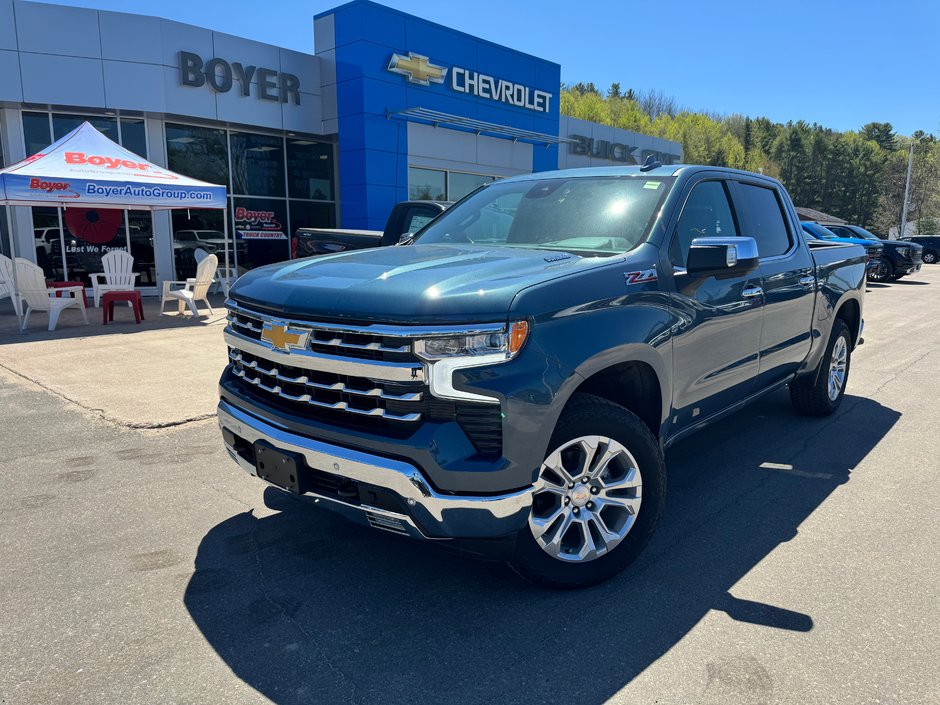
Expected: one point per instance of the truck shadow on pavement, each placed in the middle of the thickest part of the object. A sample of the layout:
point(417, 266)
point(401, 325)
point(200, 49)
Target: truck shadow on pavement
point(305, 607)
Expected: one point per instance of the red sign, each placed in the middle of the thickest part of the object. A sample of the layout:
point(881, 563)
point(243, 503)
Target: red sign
point(108, 162)
point(48, 186)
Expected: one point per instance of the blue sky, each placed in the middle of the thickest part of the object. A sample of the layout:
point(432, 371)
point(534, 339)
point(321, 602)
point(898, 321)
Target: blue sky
point(837, 63)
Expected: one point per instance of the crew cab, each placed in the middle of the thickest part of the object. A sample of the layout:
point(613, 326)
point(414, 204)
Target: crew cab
point(406, 218)
point(508, 381)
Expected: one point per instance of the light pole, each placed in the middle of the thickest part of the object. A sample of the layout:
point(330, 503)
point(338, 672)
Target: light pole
point(907, 187)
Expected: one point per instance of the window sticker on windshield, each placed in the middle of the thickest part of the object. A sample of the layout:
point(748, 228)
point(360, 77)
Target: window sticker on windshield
point(652, 184)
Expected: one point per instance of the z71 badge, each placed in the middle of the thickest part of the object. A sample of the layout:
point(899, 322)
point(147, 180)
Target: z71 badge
point(647, 275)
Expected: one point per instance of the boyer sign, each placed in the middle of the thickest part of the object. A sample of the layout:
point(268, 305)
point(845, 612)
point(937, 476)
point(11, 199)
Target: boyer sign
point(220, 75)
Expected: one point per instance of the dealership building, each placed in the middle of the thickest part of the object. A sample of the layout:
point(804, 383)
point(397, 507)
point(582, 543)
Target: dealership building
point(386, 107)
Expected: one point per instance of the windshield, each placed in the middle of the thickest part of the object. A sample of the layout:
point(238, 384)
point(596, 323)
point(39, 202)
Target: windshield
point(822, 232)
point(864, 234)
point(585, 215)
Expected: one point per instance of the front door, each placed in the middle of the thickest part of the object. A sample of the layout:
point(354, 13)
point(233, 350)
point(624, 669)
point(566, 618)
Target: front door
point(715, 346)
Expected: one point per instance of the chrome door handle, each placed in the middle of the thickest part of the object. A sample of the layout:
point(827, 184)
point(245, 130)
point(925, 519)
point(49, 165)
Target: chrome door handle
point(807, 280)
point(752, 291)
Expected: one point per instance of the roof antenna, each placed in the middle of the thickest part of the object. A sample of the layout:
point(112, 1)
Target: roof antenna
point(651, 163)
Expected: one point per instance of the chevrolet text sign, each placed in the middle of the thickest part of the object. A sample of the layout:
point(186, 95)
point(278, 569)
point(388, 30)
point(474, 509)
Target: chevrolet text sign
point(417, 68)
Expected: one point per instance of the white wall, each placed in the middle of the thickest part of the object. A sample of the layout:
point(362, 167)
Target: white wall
point(66, 56)
point(444, 148)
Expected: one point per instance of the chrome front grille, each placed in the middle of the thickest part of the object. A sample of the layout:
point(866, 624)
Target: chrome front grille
point(358, 376)
point(338, 371)
point(324, 391)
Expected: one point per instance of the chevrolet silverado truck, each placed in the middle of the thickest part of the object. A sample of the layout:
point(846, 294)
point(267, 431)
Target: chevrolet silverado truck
point(406, 218)
point(508, 382)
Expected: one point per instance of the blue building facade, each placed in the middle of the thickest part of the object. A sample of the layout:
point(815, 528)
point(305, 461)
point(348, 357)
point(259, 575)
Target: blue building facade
point(390, 69)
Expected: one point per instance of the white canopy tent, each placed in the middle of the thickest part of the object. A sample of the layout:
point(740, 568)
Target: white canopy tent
point(85, 169)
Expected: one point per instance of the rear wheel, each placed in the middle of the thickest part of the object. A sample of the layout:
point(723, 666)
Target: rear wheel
point(820, 394)
point(597, 499)
point(883, 273)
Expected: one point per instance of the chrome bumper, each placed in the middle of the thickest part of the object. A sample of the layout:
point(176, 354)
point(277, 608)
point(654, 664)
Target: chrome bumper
point(431, 515)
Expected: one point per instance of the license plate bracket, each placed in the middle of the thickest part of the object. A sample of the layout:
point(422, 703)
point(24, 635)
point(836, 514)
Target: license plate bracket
point(282, 468)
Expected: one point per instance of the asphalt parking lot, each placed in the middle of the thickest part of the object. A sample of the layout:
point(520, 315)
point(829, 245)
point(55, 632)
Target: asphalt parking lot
point(797, 562)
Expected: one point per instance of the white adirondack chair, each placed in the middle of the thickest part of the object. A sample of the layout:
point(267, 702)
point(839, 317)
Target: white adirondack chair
point(224, 276)
point(37, 297)
point(195, 289)
point(6, 283)
point(118, 275)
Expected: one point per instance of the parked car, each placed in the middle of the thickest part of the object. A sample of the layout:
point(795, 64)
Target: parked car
point(510, 380)
point(899, 258)
point(192, 239)
point(872, 249)
point(45, 237)
point(931, 245)
point(213, 241)
point(406, 217)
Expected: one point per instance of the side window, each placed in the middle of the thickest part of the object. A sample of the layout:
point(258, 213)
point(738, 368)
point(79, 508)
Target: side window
point(707, 213)
point(765, 217)
point(841, 232)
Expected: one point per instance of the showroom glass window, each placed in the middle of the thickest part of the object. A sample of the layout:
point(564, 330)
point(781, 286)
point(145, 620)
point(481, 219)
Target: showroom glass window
point(427, 184)
point(257, 164)
point(460, 184)
point(310, 169)
point(199, 152)
point(266, 171)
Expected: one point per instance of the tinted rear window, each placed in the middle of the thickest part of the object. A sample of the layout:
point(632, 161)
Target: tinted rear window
point(765, 219)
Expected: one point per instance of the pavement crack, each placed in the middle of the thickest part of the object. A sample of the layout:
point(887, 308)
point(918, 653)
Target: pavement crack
point(311, 639)
point(105, 416)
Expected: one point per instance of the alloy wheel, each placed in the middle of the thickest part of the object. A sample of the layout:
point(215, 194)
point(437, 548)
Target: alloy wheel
point(837, 366)
point(586, 499)
point(930, 257)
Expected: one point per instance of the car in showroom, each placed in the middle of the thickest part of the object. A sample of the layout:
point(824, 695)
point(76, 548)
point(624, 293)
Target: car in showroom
point(899, 258)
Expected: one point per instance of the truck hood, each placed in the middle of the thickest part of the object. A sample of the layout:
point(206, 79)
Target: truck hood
point(417, 283)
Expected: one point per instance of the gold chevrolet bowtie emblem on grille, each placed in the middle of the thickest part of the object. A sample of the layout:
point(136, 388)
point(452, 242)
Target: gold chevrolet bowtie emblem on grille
point(417, 68)
point(282, 337)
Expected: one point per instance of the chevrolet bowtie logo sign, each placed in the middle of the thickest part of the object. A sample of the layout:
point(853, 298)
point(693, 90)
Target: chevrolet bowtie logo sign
point(417, 68)
point(282, 337)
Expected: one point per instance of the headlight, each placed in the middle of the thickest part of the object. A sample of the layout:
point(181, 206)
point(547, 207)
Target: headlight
point(904, 251)
point(445, 355)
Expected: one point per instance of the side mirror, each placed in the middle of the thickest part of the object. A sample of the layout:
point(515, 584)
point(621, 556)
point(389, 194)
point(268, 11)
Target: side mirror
point(717, 256)
point(406, 239)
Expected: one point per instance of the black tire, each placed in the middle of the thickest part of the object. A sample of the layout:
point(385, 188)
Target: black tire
point(810, 394)
point(884, 273)
point(590, 415)
point(930, 257)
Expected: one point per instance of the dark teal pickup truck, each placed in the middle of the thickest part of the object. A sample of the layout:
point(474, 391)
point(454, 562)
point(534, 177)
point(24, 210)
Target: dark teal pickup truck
point(509, 380)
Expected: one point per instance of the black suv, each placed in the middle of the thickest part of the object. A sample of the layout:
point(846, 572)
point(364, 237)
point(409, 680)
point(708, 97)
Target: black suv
point(931, 245)
point(900, 257)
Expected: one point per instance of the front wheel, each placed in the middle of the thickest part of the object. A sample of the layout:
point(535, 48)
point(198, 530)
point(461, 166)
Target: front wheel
point(597, 499)
point(820, 394)
point(930, 257)
point(883, 272)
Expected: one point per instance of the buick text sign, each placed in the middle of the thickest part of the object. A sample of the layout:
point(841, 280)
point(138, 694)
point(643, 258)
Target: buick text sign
point(220, 76)
point(615, 151)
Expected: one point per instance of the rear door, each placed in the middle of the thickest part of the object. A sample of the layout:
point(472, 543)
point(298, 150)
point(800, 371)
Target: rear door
point(788, 275)
point(715, 346)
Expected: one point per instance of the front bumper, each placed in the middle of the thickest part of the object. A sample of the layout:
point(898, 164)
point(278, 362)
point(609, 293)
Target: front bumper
point(412, 506)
